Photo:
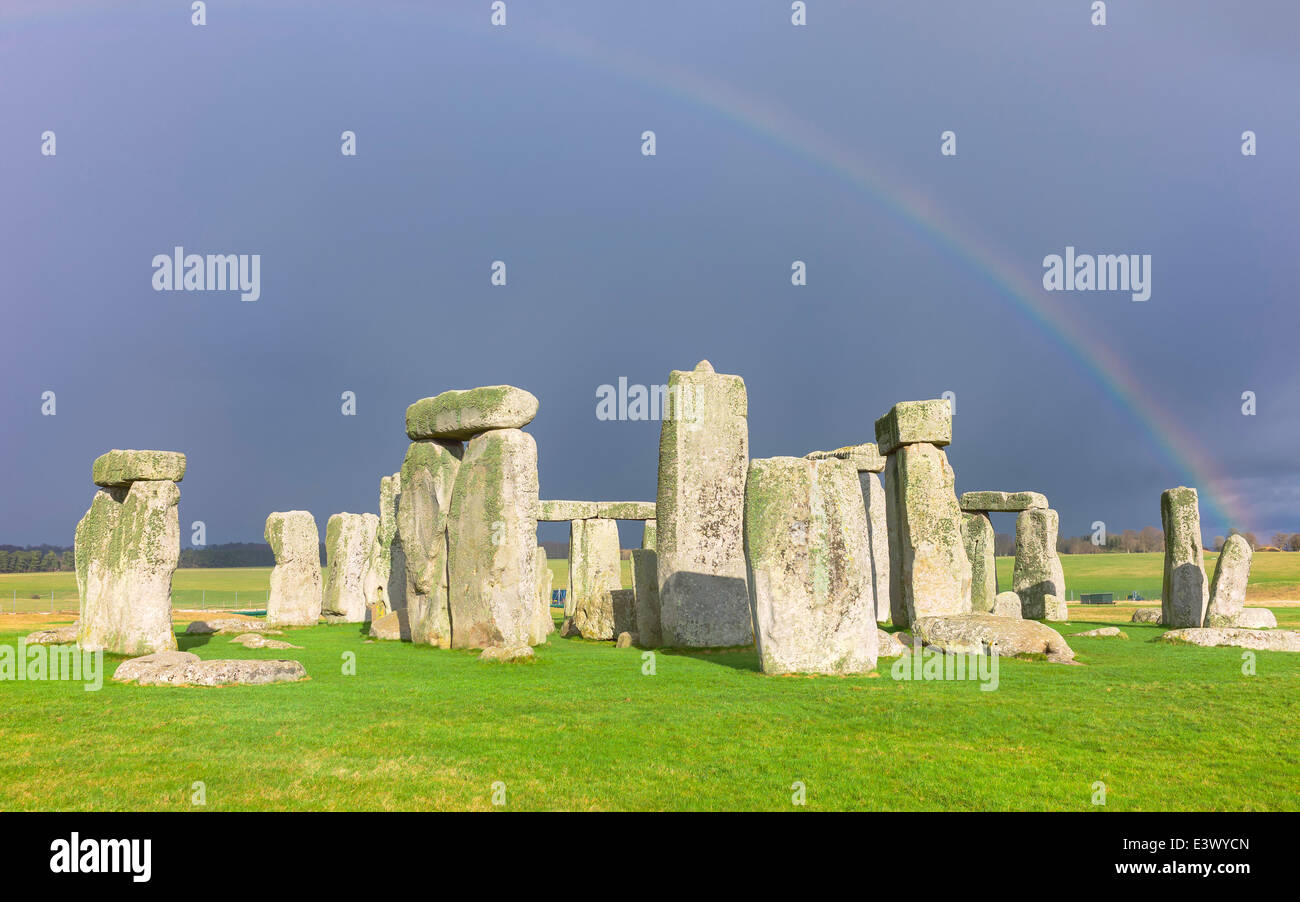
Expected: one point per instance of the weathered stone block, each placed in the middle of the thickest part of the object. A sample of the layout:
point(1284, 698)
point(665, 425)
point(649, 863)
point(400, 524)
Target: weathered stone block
point(593, 561)
point(1037, 572)
point(543, 623)
point(1231, 573)
point(645, 588)
point(121, 468)
point(296, 592)
point(913, 423)
point(350, 566)
point(703, 458)
point(1002, 501)
point(464, 414)
point(866, 457)
point(977, 536)
point(649, 535)
point(428, 476)
point(809, 555)
point(1185, 594)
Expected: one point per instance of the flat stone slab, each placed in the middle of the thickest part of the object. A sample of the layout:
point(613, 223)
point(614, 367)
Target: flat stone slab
point(563, 511)
point(914, 423)
point(230, 626)
point(1257, 640)
point(499, 653)
point(1000, 502)
point(1146, 615)
point(464, 414)
point(1246, 618)
point(988, 633)
point(394, 626)
point(118, 468)
point(59, 635)
point(866, 456)
point(1103, 632)
point(257, 640)
point(183, 668)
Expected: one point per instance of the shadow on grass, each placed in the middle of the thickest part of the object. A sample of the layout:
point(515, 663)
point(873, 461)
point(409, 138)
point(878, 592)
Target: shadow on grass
point(189, 641)
point(741, 657)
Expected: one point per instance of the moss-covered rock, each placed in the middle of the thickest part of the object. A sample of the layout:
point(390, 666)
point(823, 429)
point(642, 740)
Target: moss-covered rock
point(866, 457)
point(296, 586)
point(977, 536)
point(1013, 502)
point(464, 414)
point(650, 535)
point(914, 422)
point(1185, 592)
point(121, 468)
point(350, 541)
point(1037, 572)
point(1228, 589)
point(428, 477)
point(543, 623)
point(594, 571)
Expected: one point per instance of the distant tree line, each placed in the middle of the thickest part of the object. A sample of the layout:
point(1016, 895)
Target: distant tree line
point(51, 558)
point(1132, 541)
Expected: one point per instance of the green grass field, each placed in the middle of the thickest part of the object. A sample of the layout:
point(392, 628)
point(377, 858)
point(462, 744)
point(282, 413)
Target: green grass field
point(582, 727)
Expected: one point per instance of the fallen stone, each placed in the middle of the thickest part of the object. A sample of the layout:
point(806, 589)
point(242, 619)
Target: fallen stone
point(1037, 572)
point(1007, 604)
point(645, 590)
point(1146, 615)
point(914, 423)
point(465, 414)
point(492, 542)
point(258, 640)
point(428, 477)
point(59, 635)
point(1228, 588)
point(1246, 618)
point(1103, 632)
point(1015, 502)
point(977, 536)
point(1185, 593)
point(181, 668)
point(568, 630)
point(809, 557)
point(703, 458)
point(866, 457)
point(349, 571)
point(504, 653)
point(121, 468)
point(394, 626)
point(230, 626)
point(888, 645)
point(625, 640)
point(987, 633)
point(296, 588)
point(929, 573)
point(1258, 640)
point(127, 547)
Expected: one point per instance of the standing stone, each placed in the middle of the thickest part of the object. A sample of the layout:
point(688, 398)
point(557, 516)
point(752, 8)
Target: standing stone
point(543, 623)
point(1228, 590)
point(645, 589)
point(295, 598)
point(492, 542)
point(623, 602)
point(127, 547)
point(1006, 604)
point(809, 557)
point(594, 613)
point(977, 535)
point(392, 560)
point(648, 536)
point(873, 497)
point(594, 565)
point(428, 476)
point(1185, 593)
point(929, 573)
point(1037, 572)
point(703, 459)
point(350, 542)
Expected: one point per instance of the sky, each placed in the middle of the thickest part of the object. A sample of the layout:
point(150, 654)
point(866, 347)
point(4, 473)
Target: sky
point(774, 143)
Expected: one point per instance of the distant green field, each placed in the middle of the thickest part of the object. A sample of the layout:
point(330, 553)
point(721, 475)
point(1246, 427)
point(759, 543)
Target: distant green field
point(1273, 575)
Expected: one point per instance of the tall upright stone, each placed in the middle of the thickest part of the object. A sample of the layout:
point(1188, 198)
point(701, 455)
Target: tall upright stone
point(929, 573)
point(595, 571)
point(869, 462)
point(1185, 594)
point(296, 592)
point(649, 535)
point(350, 580)
point(1037, 572)
point(1228, 588)
point(427, 477)
point(645, 592)
point(492, 542)
point(809, 557)
point(543, 623)
point(703, 459)
point(127, 547)
point(391, 562)
point(977, 535)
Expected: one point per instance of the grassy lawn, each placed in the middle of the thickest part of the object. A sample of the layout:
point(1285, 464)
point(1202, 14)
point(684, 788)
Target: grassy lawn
point(581, 727)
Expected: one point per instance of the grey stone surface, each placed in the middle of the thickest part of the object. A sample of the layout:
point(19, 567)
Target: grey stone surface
point(1103, 632)
point(1185, 594)
point(230, 626)
point(464, 414)
point(1007, 604)
point(1146, 615)
point(259, 640)
point(929, 573)
point(394, 626)
point(1055, 609)
point(492, 542)
point(809, 555)
point(59, 635)
point(506, 653)
point(1002, 501)
point(594, 566)
point(121, 468)
point(127, 547)
point(977, 536)
point(1231, 573)
point(645, 589)
point(390, 559)
point(559, 511)
point(543, 622)
point(914, 423)
point(866, 457)
point(877, 507)
point(1246, 618)
point(1037, 572)
point(649, 535)
point(181, 668)
point(349, 570)
point(703, 458)
point(1259, 640)
point(889, 645)
point(296, 587)
point(428, 477)
point(985, 633)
